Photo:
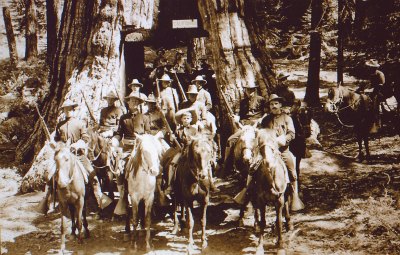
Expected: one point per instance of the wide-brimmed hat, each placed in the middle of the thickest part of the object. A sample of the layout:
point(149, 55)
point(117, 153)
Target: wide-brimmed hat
point(275, 97)
point(250, 86)
point(135, 82)
point(199, 78)
point(165, 77)
point(111, 95)
point(192, 89)
point(372, 63)
point(68, 103)
point(180, 52)
point(179, 114)
point(139, 96)
point(282, 76)
point(151, 98)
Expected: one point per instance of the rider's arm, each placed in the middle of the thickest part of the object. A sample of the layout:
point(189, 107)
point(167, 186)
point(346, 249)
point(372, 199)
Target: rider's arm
point(290, 131)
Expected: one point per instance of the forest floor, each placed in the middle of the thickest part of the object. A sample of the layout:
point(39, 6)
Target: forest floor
point(350, 206)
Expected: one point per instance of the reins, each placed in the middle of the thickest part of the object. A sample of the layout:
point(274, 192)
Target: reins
point(276, 154)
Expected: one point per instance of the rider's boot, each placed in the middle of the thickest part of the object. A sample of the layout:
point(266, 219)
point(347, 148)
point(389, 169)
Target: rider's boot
point(241, 197)
point(295, 202)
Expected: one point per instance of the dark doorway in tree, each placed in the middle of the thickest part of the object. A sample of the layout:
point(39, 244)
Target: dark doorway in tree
point(134, 61)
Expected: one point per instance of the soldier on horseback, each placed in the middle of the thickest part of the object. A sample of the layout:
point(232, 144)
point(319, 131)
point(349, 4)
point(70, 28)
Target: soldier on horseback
point(75, 130)
point(283, 125)
point(110, 115)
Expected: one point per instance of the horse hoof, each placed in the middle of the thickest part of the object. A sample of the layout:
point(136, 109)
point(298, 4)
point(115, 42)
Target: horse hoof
point(281, 252)
point(204, 246)
point(289, 226)
point(174, 231)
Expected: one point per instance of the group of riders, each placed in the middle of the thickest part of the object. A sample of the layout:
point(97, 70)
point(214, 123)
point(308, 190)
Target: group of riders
point(180, 118)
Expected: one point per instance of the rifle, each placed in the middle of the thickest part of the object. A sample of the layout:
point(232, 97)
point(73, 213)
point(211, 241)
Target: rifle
point(164, 119)
point(230, 111)
point(180, 87)
point(90, 110)
point(44, 126)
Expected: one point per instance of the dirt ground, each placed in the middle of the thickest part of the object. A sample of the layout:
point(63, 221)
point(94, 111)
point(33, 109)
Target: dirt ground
point(350, 206)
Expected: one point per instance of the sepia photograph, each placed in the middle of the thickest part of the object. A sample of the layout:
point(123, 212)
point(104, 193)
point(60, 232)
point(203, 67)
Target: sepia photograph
point(211, 127)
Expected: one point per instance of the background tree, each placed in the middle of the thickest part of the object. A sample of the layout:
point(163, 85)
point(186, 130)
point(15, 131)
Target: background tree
point(53, 15)
point(31, 50)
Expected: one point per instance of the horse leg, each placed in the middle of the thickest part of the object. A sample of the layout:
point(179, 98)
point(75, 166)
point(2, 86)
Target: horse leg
point(191, 225)
point(108, 183)
point(256, 220)
point(279, 209)
point(366, 145)
point(148, 205)
point(79, 211)
point(298, 159)
point(176, 220)
point(260, 247)
point(85, 222)
point(73, 222)
point(63, 232)
point(203, 224)
point(135, 221)
point(289, 223)
point(360, 154)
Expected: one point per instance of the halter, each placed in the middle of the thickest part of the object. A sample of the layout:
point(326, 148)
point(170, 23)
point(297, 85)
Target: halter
point(277, 154)
point(71, 177)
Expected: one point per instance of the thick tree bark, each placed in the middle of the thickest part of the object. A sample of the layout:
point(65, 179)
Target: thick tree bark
point(12, 46)
point(340, 41)
point(53, 23)
point(31, 50)
point(312, 90)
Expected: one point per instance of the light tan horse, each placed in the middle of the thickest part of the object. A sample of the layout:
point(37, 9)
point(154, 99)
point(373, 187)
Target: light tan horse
point(71, 179)
point(270, 187)
point(141, 172)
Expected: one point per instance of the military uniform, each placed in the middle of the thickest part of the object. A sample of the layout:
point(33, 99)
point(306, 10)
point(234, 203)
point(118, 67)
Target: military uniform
point(251, 109)
point(131, 124)
point(109, 118)
point(169, 100)
point(205, 97)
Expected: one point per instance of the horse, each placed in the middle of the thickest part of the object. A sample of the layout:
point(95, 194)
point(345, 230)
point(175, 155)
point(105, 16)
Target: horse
point(270, 186)
point(141, 171)
point(192, 183)
point(301, 116)
point(70, 178)
point(359, 108)
point(243, 154)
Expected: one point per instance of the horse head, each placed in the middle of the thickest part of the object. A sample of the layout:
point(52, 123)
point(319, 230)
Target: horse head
point(64, 164)
point(200, 155)
point(334, 100)
point(245, 145)
point(148, 153)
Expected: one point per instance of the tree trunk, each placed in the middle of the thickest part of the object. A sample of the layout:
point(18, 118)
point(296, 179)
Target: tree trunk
point(53, 23)
point(31, 50)
point(10, 37)
point(312, 90)
point(340, 40)
point(88, 59)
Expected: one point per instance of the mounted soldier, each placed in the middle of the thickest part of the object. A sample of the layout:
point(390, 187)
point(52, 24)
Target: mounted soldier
point(132, 123)
point(282, 90)
point(75, 131)
point(135, 87)
point(110, 115)
point(181, 68)
point(169, 96)
point(155, 116)
point(252, 109)
point(203, 95)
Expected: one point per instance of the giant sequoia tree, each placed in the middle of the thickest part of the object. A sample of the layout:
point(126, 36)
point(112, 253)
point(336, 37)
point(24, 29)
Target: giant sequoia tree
point(88, 59)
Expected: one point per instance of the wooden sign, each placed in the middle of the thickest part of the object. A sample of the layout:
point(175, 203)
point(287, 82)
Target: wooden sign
point(184, 23)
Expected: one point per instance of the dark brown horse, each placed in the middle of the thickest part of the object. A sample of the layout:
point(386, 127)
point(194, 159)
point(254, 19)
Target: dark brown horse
point(270, 186)
point(192, 183)
point(70, 178)
point(356, 108)
point(301, 116)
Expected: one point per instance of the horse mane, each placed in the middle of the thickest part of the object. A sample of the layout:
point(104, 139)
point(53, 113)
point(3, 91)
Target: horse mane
point(137, 160)
point(188, 155)
point(74, 162)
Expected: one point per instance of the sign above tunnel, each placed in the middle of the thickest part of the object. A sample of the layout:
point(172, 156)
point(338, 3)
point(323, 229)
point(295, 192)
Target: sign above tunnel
point(184, 23)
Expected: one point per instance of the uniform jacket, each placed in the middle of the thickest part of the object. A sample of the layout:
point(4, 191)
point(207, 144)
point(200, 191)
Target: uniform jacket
point(131, 124)
point(282, 124)
point(71, 128)
point(169, 99)
point(156, 122)
point(205, 97)
point(252, 108)
point(109, 117)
